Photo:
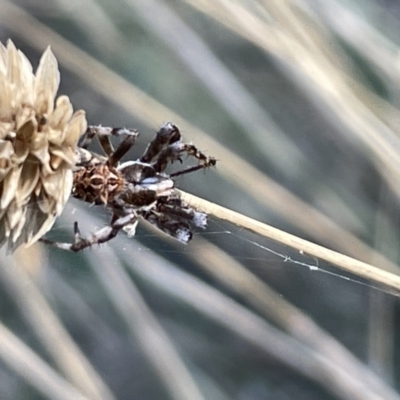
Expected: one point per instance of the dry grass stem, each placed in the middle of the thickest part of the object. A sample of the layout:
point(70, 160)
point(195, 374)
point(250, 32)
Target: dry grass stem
point(346, 263)
point(26, 363)
point(52, 333)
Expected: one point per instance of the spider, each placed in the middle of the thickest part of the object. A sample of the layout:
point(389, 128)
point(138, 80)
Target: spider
point(134, 189)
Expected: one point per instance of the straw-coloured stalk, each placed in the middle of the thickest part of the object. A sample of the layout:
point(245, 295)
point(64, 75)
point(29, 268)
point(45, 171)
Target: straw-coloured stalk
point(38, 138)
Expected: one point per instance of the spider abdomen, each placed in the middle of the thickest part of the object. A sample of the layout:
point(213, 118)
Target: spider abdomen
point(98, 184)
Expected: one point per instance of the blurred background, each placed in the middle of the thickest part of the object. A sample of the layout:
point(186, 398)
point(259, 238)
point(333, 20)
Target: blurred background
point(299, 102)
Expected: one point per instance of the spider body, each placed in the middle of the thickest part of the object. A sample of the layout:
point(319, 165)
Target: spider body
point(97, 184)
point(138, 188)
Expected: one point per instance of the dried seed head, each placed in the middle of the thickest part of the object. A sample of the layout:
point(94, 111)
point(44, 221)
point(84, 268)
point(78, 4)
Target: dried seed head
point(38, 139)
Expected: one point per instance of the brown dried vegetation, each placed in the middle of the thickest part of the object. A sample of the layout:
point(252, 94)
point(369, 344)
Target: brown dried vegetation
point(38, 139)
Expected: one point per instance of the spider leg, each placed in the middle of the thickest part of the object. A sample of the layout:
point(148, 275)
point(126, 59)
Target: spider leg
point(174, 151)
point(176, 218)
point(167, 135)
point(106, 145)
point(103, 133)
point(211, 163)
point(101, 236)
point(88, 137)
point(168, 147)
point(121, 150)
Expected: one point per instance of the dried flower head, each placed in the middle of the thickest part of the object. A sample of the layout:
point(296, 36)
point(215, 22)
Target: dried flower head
point(38, 139)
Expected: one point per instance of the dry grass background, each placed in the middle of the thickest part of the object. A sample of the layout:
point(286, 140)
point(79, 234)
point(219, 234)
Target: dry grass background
point(299, 102)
